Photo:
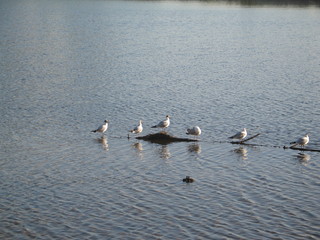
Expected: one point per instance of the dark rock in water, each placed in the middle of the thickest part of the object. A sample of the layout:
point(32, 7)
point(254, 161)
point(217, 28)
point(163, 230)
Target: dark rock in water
point(164, 138)
point(188, 179)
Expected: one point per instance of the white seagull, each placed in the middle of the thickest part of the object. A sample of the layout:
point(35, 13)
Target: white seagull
point(240, 135)
point(163, 124)
point(103, 127)
point(137, 129)
point(196, 131)
point(301, 141)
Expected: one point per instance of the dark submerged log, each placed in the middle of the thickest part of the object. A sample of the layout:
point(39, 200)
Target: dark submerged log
point(302, 149)
point(243, 141)
point(164, 138)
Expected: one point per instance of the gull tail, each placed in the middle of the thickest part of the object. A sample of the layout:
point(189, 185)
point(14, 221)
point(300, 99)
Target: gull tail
point(94, 131)
point(154, 126)
point(294, 144)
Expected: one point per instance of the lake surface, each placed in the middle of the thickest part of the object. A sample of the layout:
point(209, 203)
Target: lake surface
point(66, 66)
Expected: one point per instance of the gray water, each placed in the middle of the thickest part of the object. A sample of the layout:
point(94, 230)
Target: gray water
point(66, 66)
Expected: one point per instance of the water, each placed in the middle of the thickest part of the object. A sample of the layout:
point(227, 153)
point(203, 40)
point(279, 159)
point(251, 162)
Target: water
point(66, 66)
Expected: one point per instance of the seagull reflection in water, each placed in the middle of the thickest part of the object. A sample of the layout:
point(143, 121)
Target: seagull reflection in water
point(139, 149)
point(104, 142)
point(304, 158)
point(137, 146)
point(164, 152)
point(243, 152)
point(194, 147)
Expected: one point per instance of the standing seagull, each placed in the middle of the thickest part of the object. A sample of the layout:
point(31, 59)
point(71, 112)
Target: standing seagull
point(301, 141)
point(138, 129)
point(163, 124)
point(196, 131)
point(240, 135)
point(103, 127)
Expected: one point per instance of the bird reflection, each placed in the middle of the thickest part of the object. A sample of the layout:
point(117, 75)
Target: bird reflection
point(139, 149)
point(195, 147)
point(164, 152)
point(137, 146)
point(304, 158)
point(104, 142)
point(243, 152)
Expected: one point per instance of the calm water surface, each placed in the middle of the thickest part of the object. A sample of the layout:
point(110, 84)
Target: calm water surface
point(66, 66)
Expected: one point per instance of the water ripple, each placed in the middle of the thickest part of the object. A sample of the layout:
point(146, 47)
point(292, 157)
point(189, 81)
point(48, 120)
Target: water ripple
point(136, 60)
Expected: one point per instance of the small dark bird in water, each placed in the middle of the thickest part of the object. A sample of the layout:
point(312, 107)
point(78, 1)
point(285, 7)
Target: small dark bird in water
point(188, 179)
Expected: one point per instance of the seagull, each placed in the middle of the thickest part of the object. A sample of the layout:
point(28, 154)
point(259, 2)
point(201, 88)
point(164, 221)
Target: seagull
point(196, 131)
point(163, 124)
point(301, 141)
point(138, 129)
point(103, 127)
point(240, 135)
